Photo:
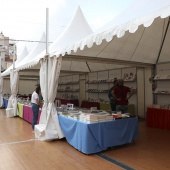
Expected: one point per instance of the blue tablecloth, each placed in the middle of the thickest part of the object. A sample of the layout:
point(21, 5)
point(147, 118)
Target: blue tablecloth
point(96, 137)
point(5, 102)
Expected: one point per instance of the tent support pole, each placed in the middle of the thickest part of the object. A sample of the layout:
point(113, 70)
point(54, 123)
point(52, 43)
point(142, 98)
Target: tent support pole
point(88, 66)
point(163, 41)
point(47, 54)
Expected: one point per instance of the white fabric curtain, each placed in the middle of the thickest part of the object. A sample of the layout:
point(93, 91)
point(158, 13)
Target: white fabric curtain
point(1, 91)
point(52, 126)
point(43, 117)
point(12, 102)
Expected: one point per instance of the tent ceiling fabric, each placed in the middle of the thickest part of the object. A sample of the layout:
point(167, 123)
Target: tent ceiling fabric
point(142, 46)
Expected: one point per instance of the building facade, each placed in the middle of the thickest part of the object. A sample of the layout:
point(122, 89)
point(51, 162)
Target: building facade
point(7, 52)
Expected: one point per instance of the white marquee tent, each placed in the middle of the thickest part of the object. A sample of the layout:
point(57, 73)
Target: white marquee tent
point(47, 129)
point(14, 82)
point(115, 43)
point(14, 76)
point(144, 47)
point(77, 29)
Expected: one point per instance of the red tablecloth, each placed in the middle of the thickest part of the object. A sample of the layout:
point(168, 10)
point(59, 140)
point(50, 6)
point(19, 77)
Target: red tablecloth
point(158, 118)
point(65, 101)
point(28, 114)
point(86, 104)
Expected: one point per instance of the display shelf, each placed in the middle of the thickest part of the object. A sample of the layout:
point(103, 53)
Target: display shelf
point(100, 81)
point(67, 90)
point(95, 92)
point(162, 77)
point(102, 91)
point(162, 83)
point(129, 80)
point(162, 91)
point(69, 83)
point(105, 81)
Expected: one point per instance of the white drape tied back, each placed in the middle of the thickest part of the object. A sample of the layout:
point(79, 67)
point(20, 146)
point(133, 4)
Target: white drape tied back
point(43, 117)
point(51, 126)
point(12, 102)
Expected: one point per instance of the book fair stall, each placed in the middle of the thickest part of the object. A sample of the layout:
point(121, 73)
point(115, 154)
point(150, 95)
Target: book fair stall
point(81, 70)
point(81, 126)
point(158, 114)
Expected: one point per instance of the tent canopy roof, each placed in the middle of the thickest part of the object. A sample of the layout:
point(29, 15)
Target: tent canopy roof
point(71, 34)
point(115, 40)
point(138, 36)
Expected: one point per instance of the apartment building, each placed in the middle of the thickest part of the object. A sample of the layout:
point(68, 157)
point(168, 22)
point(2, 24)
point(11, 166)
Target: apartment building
point(7, 52)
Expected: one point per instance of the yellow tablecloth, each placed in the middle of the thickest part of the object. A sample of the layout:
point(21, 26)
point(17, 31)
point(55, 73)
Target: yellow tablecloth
point(20, 109)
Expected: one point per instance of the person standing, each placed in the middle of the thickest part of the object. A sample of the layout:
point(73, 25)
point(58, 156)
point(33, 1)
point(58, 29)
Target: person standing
point(112, 99)
point(35, 106)
point(122, 94)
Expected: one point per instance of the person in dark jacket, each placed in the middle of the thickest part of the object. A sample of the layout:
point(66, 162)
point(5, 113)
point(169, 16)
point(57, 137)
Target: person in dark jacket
point(122, 94)
point(112, 99)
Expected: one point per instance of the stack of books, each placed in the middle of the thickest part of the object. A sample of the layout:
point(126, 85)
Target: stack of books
point(102, 118)
point(91, 118)
point(82, 117)
point(109, 118)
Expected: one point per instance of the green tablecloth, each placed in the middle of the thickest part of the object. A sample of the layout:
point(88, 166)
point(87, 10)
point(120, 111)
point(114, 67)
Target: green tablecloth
point(131, 108)
point(20, 109)
point(104, 106)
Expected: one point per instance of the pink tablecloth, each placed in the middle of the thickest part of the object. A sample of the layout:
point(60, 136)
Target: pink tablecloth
point(28, 114)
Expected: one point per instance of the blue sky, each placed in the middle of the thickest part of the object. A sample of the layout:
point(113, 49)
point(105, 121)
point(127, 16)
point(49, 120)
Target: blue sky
point(26, 19)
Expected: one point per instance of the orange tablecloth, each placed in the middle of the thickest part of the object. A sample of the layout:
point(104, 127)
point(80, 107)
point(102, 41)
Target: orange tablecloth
point(158, 118)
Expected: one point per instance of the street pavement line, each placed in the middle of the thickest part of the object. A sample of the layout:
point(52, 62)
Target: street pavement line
point(18, 142)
